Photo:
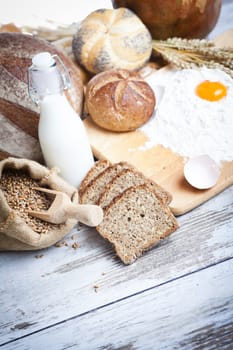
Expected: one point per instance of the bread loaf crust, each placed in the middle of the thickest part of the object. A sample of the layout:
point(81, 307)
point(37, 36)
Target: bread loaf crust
point(119, 100)
point(16, 52)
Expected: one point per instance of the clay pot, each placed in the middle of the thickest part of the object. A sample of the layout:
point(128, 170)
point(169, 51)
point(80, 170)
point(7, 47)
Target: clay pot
point(169, 18)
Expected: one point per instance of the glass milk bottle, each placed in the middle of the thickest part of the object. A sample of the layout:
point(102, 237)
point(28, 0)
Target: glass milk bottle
point(62, 135)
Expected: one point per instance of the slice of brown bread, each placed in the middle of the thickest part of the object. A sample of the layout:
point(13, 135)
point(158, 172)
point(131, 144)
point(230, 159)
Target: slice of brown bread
point(97, 169)
point(128, 178)
point(93, 191)
point(135, 221)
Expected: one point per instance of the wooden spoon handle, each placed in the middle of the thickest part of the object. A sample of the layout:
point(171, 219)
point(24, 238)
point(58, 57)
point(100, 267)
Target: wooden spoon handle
point(88, 214)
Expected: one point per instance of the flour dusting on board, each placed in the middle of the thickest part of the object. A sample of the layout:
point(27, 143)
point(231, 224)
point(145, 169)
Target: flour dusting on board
point(191, 123)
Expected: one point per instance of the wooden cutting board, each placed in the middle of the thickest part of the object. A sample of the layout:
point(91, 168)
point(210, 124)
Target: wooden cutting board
point(158, 163)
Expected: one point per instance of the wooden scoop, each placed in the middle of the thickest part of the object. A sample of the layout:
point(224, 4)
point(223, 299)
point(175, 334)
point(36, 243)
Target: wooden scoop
point(62, 209)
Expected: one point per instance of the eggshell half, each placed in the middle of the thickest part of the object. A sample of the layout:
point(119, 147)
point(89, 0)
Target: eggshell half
point(201, 172)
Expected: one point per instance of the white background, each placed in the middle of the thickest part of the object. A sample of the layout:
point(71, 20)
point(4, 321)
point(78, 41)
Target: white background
point(40, 12)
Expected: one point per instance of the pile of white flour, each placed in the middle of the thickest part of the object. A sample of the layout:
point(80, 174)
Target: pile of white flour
point(188, 124)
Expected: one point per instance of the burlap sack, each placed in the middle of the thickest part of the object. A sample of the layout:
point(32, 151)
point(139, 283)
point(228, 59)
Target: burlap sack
point(15, 233)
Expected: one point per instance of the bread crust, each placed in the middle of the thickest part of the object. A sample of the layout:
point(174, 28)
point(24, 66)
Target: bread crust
point(16, 53)
point(119, 100)
point(90, 195)
point(96, 170)
point(137, 178)
point(108, 39)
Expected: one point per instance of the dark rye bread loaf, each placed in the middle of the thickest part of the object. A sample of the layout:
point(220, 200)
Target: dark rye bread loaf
point(93, 191)
point(128, 178)
point(135, 221)
point(97, 169)
point(18, 114)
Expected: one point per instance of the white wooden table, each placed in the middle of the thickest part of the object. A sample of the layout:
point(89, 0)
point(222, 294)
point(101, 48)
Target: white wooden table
point(177, 296)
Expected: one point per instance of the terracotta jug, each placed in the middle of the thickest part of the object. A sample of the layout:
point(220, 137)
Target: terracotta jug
point(180, 18)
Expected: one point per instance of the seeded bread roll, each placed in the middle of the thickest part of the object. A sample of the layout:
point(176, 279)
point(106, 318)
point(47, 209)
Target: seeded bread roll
point(128, 178)
point(108, 39)
point(93, 191)
point(97, 169)
point(119, 100)
point(135, 221)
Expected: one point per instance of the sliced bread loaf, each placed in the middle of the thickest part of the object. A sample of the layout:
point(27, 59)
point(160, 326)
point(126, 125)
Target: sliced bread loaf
point(135, 221)
point(128, 178)
point(93, 191)
point(97, 169)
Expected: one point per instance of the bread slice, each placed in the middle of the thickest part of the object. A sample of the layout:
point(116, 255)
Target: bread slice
point(93, 191)
point(97, 169)
point(128, 178)
point(135, 221)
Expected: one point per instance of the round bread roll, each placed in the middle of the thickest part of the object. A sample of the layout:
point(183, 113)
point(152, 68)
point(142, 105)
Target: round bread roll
point(19, 116)
point(119, 100)
point(109, 39)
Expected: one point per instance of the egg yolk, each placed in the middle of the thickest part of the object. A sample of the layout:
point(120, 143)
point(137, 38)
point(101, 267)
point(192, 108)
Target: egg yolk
point(211, 90)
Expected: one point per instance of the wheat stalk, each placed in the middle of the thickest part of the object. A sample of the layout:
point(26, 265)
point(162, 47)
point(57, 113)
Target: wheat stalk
point(190, 53)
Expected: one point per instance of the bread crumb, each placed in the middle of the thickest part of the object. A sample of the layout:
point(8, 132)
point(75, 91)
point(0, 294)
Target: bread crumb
point(39, 256)
point(75, 245)
point(96, 287)
point(61, 244)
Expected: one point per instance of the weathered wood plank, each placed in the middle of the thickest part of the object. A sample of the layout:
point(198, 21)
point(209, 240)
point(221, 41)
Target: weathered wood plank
point(36, 293)
point(194, 312)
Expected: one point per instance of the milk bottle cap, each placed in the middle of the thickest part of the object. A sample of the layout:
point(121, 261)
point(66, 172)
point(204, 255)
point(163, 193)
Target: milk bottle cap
point(47, 75)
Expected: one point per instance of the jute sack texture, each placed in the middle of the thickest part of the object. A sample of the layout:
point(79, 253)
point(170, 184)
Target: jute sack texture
point(15, 233)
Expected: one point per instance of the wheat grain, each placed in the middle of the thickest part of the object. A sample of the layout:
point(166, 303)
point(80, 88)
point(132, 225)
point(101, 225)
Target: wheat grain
point(19, 192)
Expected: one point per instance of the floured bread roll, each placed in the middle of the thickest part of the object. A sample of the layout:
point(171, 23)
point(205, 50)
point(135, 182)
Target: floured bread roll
point(108, 39)
point(119, 100)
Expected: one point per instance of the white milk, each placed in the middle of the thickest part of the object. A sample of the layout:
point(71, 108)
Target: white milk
point(62, 135)
point(63, 139)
